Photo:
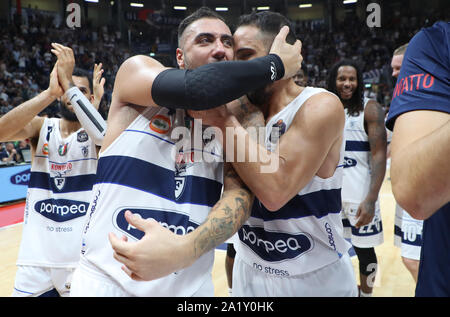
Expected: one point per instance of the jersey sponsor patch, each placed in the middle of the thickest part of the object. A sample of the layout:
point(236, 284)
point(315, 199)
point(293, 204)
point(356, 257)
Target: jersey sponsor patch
point(60, 170)
point(45, 149)
point(278, 129)
point(174, 221)
point(61, 167)
point(82, 136)
point(275, 246)
point(59, 182)
point(160, 124)
point(180, 182)
point(62, 149)
point(61, 210)
point(85, 150)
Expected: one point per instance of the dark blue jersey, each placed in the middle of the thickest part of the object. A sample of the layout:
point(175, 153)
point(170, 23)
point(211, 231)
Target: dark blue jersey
point(424, 79)
point(424, 84)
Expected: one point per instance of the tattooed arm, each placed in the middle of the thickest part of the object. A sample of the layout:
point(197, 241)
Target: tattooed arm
point(161, 252)
point(376, 131)
point(236, 193)
point(227, 215)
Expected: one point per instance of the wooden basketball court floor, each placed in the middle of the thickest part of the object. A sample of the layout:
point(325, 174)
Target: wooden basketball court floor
point(393, 279)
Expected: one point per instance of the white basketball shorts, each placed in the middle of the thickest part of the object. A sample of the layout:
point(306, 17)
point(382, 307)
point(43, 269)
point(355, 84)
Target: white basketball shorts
point(86, 283)
point(334, 280)
point(33, 281)
point(407, 234)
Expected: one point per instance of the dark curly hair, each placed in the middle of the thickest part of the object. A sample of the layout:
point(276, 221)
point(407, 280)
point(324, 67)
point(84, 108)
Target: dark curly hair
point(355, 105)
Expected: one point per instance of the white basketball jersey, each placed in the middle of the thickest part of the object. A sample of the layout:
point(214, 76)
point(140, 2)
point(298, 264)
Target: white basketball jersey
point(306, 234)
point(146, 172)
point(58, 196)
point(357, 172)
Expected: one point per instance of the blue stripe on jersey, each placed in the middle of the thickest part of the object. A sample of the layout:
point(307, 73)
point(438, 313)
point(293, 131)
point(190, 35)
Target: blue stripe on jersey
point(360, 146)
point(154, 179)
point(200, 191)
point(70, 161)
point(59, 185)
point(136, 173)
point(317, 204)
point(151, 134)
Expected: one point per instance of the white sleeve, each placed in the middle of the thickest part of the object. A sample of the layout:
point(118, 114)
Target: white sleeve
point(89, 117)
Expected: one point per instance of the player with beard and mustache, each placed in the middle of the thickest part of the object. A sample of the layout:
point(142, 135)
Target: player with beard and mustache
point(64, 163)
point(83, 81)
point(365, 167)
point(292, 244)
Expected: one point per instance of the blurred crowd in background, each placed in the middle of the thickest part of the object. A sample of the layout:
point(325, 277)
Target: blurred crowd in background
point(26, 59)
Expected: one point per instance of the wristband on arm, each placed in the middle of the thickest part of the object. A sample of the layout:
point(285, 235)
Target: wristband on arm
point(89, 117)
point(214, 84)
